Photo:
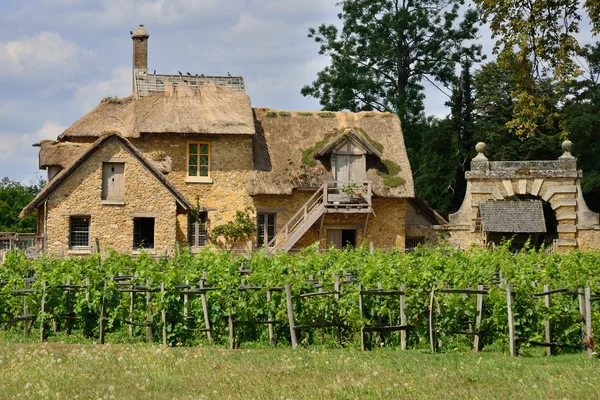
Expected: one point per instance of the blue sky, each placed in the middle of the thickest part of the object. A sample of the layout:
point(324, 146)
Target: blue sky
point(59, 58)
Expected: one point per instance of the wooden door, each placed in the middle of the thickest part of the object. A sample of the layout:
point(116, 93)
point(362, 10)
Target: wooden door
point(334, 238)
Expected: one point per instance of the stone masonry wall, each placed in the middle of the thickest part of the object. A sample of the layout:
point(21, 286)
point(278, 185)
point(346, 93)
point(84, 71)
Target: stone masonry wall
point(385, 228)
point(81, 194)
point(230, 165)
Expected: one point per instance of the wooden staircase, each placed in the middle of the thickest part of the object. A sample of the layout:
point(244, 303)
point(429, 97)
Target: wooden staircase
point(327, 199)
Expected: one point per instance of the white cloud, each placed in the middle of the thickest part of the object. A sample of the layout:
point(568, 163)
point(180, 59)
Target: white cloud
point(47, 51)
point(50, 130)
point(89, 95)
point(18, 158)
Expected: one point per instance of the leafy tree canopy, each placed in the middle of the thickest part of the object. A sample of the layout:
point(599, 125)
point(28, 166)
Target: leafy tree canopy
point(14, 196)
point(537, 40)
point(241, 228)
point(385, 49)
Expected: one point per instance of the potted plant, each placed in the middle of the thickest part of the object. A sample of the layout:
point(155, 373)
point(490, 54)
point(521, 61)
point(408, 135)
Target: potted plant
point(354, 191)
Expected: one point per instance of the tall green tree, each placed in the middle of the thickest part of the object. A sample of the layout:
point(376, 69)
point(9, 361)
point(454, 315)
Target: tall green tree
point(537, 40)
point(439, 158)
point(462, 120)
point(384, 52)
point(14, 196)
point(494, 103)
point(582, 113)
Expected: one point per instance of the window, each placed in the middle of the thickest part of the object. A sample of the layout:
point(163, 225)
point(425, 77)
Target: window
point(198, 159)
point(197, 230)
point(112, 181)
point(411, 243)
point(265, 229)
point(143, 233)
point(79, 232)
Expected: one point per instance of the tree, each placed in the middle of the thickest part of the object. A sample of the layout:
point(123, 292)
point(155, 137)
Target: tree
point(536, 39)
point(462, 117)
point(241, 228)
point(439, 158)
point(582, 116)
point(494, 103)
point(386, 48)
point(13, 198)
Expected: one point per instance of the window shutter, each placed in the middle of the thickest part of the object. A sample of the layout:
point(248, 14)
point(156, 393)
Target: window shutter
point(113, 181)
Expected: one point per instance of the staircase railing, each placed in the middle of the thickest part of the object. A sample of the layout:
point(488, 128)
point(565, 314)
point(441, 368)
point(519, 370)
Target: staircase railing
point(330, 194)
point(298, 219)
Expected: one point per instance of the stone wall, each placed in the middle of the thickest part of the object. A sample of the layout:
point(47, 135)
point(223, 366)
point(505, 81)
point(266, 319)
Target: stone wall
point(556, 181)
point(589, 239)
point(230, 165)
point(81, 194)
point(385, 227)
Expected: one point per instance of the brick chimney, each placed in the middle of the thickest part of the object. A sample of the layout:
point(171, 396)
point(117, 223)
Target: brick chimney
point(140, 50)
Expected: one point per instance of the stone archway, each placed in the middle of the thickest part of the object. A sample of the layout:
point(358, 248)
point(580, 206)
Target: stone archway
point(556, 181)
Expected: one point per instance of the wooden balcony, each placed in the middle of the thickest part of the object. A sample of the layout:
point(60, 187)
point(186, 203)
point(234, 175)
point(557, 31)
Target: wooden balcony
point(348, 197)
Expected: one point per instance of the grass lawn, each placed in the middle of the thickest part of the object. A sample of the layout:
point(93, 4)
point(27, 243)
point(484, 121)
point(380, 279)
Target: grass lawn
point(71, 371)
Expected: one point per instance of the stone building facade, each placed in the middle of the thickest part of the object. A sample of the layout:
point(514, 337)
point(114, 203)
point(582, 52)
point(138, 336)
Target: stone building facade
point(555, 182)
point(181, 155)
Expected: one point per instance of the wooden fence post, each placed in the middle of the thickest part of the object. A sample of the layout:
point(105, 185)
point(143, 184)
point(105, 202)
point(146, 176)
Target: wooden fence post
point(43, 335)
point(231, 332)
point(163, 314)
point(403, 317)
point(26, 324)
point(547, 322)
point(103, 315)
point(511, 322)
point(131, 302)
point(69, 307)
point(205, 310)
point(361, 307)
point(477, 337)
point(290, 310)
point(588, 322)
point(433, 344)
point(583, 313)
point(148, 313)
point(270, 320)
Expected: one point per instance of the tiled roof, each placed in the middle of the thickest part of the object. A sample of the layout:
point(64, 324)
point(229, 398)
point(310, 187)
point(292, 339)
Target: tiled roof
point(512, 216)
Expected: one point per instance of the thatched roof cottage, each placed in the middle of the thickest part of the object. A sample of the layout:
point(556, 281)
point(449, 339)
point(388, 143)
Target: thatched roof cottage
point(183, 153)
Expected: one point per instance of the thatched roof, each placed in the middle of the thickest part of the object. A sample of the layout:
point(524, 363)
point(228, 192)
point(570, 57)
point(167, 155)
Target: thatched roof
point(59, 153)
point(63, 175)
point(285, 140)
point(512, 216)
point(212, 110)
point(348, 135)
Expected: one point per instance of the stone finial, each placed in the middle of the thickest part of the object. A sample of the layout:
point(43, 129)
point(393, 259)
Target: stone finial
point(480, 147)
point(567, 146)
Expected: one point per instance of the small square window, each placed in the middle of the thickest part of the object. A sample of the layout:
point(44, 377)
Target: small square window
point(79, 232)
point(143, 233)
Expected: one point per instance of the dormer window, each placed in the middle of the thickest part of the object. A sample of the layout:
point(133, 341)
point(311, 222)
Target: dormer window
point(348, 162)
point(348, 154)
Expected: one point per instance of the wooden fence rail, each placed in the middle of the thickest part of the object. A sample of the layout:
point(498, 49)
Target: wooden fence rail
point(130, 284)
